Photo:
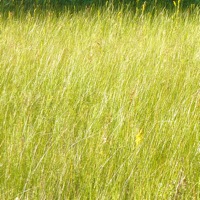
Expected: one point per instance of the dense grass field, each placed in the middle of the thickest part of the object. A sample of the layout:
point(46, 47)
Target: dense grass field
point(100, 104)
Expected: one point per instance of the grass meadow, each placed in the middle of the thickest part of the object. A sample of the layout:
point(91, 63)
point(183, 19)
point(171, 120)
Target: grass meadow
point(100, 104)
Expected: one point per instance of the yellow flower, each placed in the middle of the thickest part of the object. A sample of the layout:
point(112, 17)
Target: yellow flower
point(138, 137)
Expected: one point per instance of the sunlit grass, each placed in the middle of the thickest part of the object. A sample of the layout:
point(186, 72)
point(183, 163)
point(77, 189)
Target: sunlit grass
point(100, 105)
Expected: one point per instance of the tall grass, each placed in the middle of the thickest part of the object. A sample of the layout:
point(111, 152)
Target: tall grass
point(100, 105)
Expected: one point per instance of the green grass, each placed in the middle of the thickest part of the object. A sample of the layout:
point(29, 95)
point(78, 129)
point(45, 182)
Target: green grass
point(78, 90)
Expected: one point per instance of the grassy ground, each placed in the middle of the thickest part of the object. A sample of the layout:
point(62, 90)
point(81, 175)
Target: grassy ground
point(100, 105)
